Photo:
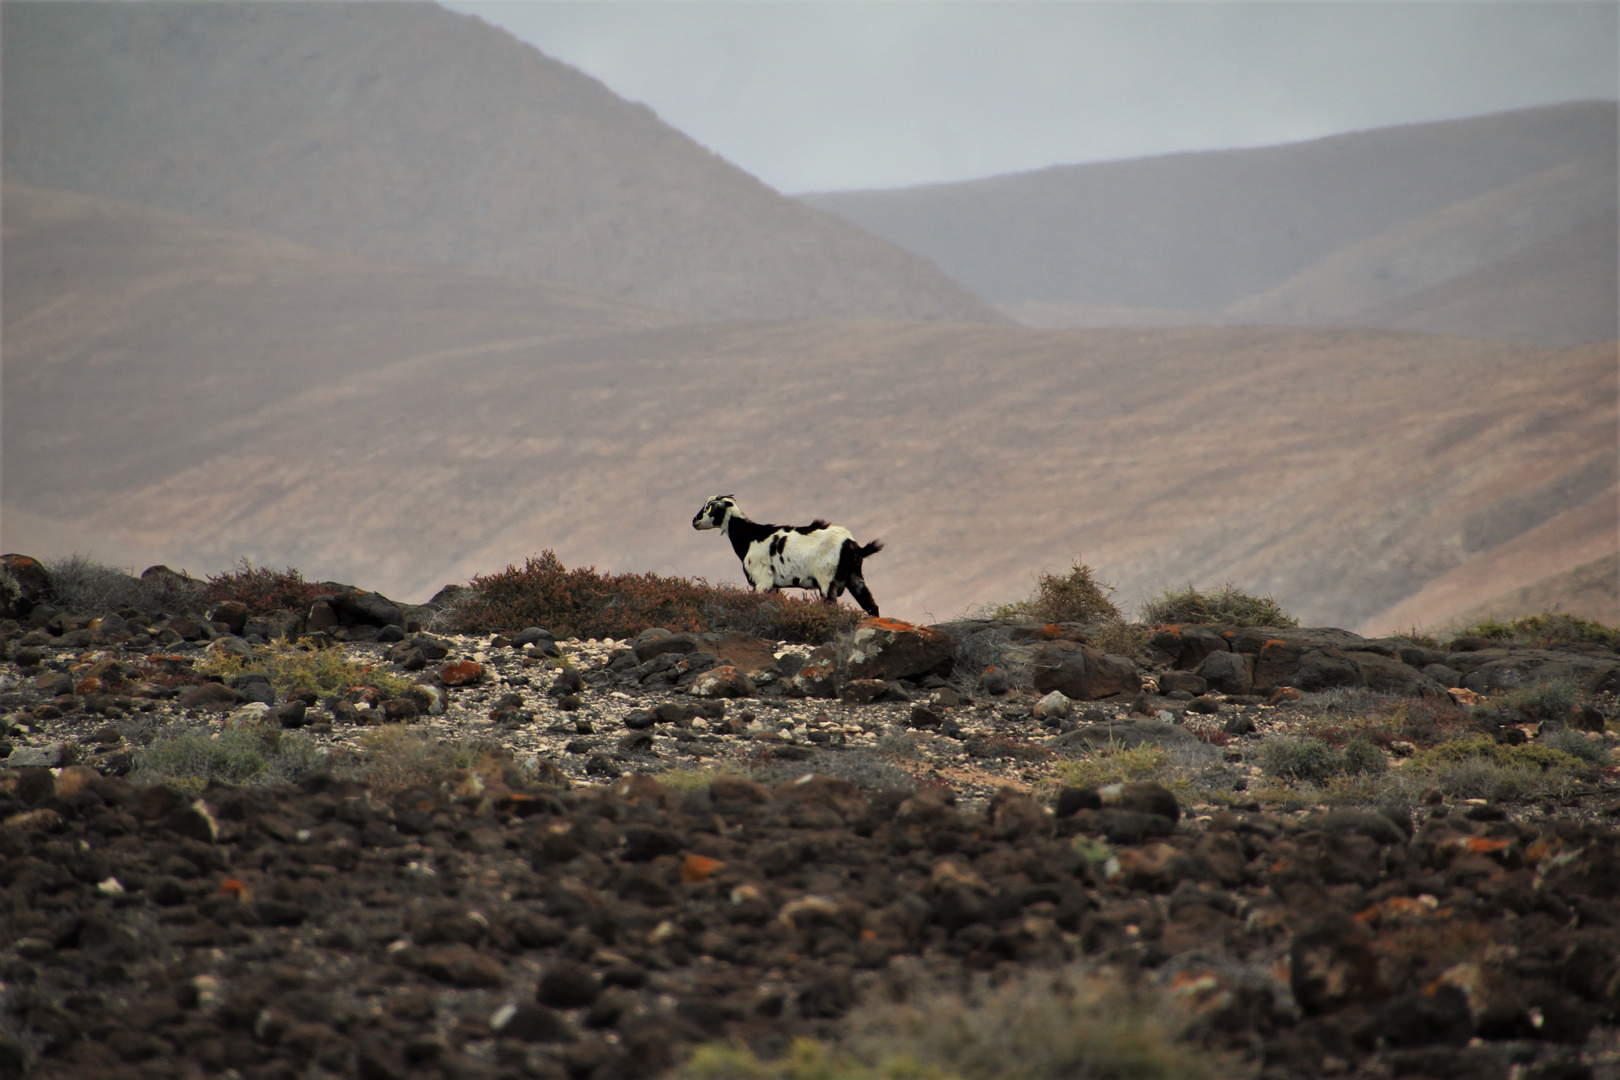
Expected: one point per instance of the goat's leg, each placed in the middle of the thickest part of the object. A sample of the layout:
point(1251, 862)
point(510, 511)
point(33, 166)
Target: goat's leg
point(863, 596)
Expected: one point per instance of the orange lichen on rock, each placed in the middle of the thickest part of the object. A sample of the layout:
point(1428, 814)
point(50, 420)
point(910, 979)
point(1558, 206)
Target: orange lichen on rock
point(696, 868)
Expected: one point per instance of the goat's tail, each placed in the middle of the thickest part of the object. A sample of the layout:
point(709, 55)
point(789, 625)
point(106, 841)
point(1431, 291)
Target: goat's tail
point(870, 549)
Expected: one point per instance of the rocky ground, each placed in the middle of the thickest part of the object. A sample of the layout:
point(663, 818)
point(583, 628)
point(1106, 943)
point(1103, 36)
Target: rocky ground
point(678, 838)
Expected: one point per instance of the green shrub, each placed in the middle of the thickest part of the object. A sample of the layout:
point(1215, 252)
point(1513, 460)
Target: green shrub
point(1479, 767)
point(1075, 597)
point(1230, 607)
point(1303, 760)
point(1549, 701)
point(1362, 758)
point(238, 754)
point(264, 590)
point(584, 603)
point(1545, 630)
point(1577, 745)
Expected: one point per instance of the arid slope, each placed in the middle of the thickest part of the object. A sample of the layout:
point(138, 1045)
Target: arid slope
point(1495, 226)
point(194, 397)
point(402, 130)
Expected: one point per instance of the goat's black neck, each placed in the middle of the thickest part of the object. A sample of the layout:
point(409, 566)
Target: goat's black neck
point(742, 533)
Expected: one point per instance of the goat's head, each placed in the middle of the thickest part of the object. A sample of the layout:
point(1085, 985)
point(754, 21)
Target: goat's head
point(716, 512)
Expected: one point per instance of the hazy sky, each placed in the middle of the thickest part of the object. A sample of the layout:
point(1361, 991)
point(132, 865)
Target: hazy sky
point(841, 94)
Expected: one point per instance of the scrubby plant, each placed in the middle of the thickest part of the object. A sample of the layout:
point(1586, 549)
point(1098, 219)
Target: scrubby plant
point(1073, 1024)
point(1230, 606)
point(1189, 771)
point(1480, 767)
point(395, 757)
point(88, 588)
point(1073, 597)
point(585, 603)
point(1549, 701)
point(1577, 745)
point(238, 754)
point(1300, 760)
point(1362, 758)
point(291, 666)
point(1545, 630)
point(263, 590)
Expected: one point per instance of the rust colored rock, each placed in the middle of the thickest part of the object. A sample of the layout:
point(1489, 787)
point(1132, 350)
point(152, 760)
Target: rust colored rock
point(723, 682)
point(891, 649)
point(461, 673)
point(818, 679)
point(696, 868)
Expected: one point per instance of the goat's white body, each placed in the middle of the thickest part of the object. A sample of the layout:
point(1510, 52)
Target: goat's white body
point(817, 556)
point(805, 560)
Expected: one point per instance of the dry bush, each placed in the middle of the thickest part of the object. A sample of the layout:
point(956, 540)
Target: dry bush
point(90, 589)
point(263, 590)
point(585, 603)
point(1545, 631)
point(1075, 597)
point(1230, 606)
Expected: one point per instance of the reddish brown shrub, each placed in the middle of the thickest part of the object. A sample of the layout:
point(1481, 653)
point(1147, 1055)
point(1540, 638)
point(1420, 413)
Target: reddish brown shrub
point(584, 603)
point(263, 590)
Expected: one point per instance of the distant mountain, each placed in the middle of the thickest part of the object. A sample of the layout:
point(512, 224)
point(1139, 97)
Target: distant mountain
point(1355, 229)
point(403, 131)
point(179, 391)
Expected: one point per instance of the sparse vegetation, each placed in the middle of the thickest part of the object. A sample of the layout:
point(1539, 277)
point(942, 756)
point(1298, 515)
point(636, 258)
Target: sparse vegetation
point(291, 666)
point(1304, 760)
point(1074, 1024)
point(584, 603)
point(1191, 771)
point(1229, 606)
point(263, 590)
point(88, 588)
point(238, 754)
point(1549, 701)
point(1075, 597)
point(397, 757)
point(1545, 631)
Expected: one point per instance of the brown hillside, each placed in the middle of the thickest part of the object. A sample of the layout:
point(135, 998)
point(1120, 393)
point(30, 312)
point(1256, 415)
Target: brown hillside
point(401, 130)
point(1336, 227)
point(1559, 292)
point(166, 404)
point(1460, 240)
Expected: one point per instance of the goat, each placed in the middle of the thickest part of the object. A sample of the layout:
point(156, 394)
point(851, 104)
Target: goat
point(816, 556)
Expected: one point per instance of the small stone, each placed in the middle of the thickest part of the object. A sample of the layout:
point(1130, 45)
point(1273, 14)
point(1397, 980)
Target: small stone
point(601, 765)
point(1241, 724)
point(639, 720)
point(567, 984)
point(532, 1023)
point(462, 965)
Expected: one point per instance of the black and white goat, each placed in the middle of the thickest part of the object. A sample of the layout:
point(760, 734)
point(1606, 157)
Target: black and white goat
point(816, 556)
